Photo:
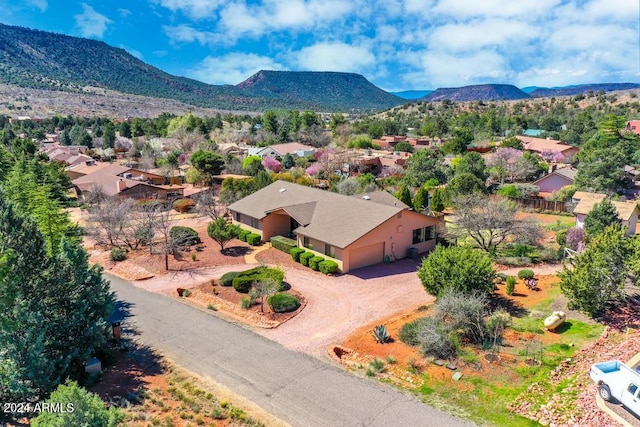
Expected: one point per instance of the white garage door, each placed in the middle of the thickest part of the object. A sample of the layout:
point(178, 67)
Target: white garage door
point(366, 255)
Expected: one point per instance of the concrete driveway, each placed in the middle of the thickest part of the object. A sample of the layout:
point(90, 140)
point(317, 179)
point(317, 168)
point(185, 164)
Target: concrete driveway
point(294, 387)
point(339, 305)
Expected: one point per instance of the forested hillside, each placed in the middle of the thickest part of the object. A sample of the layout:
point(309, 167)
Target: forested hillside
point(44, 60)
point(489, 92)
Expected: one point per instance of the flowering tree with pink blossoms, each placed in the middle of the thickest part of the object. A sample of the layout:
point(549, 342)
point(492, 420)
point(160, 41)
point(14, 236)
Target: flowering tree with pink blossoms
point(272, 164)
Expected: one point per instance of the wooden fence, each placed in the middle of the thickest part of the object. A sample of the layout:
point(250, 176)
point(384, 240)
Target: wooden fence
point(545, 205)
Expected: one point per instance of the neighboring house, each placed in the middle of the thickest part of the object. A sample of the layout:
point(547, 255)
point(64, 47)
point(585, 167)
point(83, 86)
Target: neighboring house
point(355, 231)
point(549, 149)
point(627, 211)
point(633, 126)
point(67, 155)
point(91, 167)
point(555, 180)
point(281, 150)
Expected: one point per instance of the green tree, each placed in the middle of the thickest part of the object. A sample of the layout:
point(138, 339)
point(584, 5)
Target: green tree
point(459, 268)
point(597, 276)
point(601, 216)
point(361, 141)
point(404, 147)
point(465, 183)
point(437, 202)
point(80, 408)
point(251, 165)
point(404, 195)
point(512, 142)
point(288, 162)
point(79, 136)
point(422, 166)
point(270, 122)
point(125, 129)
point(473, 163)
point(109, 135)
point(207, 162)
point(421, 199)
point(222, 231)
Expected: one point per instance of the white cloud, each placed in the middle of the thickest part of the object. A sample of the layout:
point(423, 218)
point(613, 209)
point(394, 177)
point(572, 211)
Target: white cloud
point(480, 34)
point(337, 56)
point(232, 68)
point(195, 9)
point(186, 34)
point(124, 12)
point(91, 23)
point(39, 4)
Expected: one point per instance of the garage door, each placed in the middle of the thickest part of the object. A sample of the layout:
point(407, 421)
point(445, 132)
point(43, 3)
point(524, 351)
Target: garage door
point(366, 255)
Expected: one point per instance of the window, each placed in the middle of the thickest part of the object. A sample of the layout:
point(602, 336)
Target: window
point(423, 234)
point(329, 251)
point(632, 389)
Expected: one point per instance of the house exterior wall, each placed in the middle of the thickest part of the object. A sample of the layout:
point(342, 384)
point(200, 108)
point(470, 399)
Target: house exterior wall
point(632, 223)
point(553, 182)
point(74, 175)
point(580, 220)
point(275, 224)
point(397, 235)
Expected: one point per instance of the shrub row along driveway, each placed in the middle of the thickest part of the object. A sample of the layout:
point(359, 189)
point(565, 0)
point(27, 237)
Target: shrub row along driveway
point(337, 306)
point(292, 386)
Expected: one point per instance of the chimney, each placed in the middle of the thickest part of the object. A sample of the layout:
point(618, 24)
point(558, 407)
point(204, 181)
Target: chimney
point(121, 185)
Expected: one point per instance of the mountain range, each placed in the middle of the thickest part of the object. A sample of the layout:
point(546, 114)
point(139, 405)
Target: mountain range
point(51, 61)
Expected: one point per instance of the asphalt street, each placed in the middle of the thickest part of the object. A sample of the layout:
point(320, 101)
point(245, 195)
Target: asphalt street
point(292, 386)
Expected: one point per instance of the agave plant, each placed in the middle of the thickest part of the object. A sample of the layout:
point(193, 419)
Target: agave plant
point(381, 334)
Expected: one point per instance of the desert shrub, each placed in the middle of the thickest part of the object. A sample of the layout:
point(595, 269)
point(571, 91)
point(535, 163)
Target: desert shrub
point(242, 235)
point(183, 205)
point(520, 250)
point(511, 285)
point(515, 261)
point(551, 254)
point(434, 340)
point(526, 274)
point(118, 254)
point(227, 278)
point(561, 237)
point(409, 331)
point(328, 267)
point(283, 303)
point(181, 235)
point(247, 302)
point(463, 314)
point(305, 257)
point(314, 262)
point(243, 284)
point(253, 239)
point(295, 253)
point(283, 244)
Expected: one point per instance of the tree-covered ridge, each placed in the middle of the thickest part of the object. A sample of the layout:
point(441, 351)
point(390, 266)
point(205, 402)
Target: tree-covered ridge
point(486, 92)
point(45, 60)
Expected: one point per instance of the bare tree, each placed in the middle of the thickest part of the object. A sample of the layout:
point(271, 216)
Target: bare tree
point(96, 195)
point(207, 204)
point(112, 223)
point(265, 288)
point(491, 222)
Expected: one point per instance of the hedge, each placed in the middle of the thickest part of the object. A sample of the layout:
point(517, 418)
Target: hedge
point(243, 280)
point(181, 235)
point(244, 284)
point(243, 235)
point(283, 244)
point(295, 253)
point(305, 257)
point(283, 303)
point(253, 239)
point(526, 274)
point(314, 262)
point(328, 267)
point(227, 278)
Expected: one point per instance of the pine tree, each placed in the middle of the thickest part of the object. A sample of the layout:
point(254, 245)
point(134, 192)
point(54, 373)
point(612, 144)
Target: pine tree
point(404, 195)
point(437, 201)
point(421, 200)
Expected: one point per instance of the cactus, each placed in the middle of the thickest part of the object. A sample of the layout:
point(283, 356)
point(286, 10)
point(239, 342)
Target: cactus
point(381, 334)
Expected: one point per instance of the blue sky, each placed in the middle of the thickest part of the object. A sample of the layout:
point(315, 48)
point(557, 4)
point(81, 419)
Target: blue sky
point(396, 44)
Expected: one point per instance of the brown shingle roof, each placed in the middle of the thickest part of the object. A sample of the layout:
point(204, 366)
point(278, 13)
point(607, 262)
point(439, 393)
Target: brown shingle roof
point(334, 218)
point(625, 209)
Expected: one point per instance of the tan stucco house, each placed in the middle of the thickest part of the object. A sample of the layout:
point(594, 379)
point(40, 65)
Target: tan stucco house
point(627, 211)
point(355, 231)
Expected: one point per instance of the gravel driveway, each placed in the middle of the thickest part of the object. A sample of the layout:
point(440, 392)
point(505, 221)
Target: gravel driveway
point(339, 305)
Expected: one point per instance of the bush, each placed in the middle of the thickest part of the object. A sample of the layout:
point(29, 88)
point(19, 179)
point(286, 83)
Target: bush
point(283, 244)
point(227, 278)
point(242, 235)
point(561, 237)
point(247, 302)
point(526, 274)
point(511, 285)
point(181, 235)
point(118, 254)
point(283, 303)
point(305, 257)
point(253, 239)
point(183, 205)
point(435, 341)
point(295, 253)
point(314, 262)
point(243, 284)
point(328, 267)
point(409, 332)
point(515, 261)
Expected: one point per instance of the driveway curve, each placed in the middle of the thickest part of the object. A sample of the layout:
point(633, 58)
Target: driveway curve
point(292, 386)
point(337, 306)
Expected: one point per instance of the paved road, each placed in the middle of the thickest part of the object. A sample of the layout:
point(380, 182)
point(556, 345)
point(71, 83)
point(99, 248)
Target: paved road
point(292, 386)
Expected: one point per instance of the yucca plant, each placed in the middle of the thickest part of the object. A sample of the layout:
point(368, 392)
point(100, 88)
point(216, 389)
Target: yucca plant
point(381, 334)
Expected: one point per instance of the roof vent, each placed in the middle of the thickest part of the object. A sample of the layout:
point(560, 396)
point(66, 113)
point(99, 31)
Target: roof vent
point(365, 197)
point(282, 190)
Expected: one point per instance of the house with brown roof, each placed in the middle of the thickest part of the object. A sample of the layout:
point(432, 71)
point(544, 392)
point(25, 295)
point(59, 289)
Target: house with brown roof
point(281, 150)
point(355, 231)
point(627, 211)
point(549, 149)
point(554, 181)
